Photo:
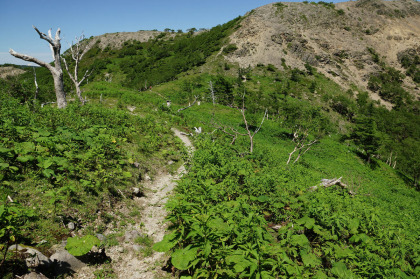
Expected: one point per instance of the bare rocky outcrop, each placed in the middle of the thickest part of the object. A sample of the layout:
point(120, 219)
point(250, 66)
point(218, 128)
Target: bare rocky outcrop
point(10, 71)
point(335, 40)
point(116, 40)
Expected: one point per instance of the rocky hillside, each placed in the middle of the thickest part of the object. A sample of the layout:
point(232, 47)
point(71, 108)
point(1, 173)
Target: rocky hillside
point(333, 38)
point(116, 40)
point(10, 71)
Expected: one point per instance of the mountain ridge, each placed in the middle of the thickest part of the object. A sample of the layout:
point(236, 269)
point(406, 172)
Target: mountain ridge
point(333, 39)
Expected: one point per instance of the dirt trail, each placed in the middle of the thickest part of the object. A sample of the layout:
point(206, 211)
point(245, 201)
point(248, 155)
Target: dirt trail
point(125, 261)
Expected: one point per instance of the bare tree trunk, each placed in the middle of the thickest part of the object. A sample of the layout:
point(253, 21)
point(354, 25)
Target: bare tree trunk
point(189, 105)
point(77, 53)
point(59, 90)
point(301, 144)
point(36, 85)
point(234, 133)
point(251, 135)
point(212, 93)
point(56, 70)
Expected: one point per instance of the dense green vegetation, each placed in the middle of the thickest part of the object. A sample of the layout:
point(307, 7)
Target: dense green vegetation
point(225, 207)
point(62, 166)
point(162, 58)
point(235, 214)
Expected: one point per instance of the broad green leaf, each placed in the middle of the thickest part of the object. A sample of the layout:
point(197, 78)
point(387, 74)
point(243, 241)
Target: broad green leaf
point(4, 166)
point(278, 205)
point(239, 261)
point(127, 174)
point(4, 150)
point(320, 275)
point(48, 173)
point(182, 258)
point(340, 270)
point(79, 246)
point(242, 172)
point(300, 240)
point(354, 225)
point(263, 198)
point(360, 238)
point(218, 224)
point(310, 259)
point(307, 222)
point(25, 148)
point(343, 252)
point(207, 249)
point(61, 161)
point(45, 164)
point(169, 241)
point(25, 158)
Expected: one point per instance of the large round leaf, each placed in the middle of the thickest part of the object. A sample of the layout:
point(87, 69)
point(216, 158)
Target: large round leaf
point(79, 246)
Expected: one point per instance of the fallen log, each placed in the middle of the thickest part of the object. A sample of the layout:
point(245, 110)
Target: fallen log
point(331, 182)
point(181, 109)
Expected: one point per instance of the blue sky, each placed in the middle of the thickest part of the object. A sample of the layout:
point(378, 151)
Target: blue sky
point(94, 17)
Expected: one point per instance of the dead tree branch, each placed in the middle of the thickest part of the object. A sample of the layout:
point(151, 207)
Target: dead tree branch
point(56, 70)
point(331, 182)
point(301, 144)
point(181, 109)
point(235, 133)
point(36, 85)
point(227, 130)
point(78, 50)
point(328, 183)
point(250, 134)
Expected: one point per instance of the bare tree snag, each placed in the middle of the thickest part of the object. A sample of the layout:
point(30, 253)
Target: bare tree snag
point(227, 130)
point(36, 85)
point(235, 133)
point(77, 52)
point(55, 70)
point(328, 183)
point(302, 145)
point(249, 133)
point(213, 97)
point(190, 105)
point(352, 190)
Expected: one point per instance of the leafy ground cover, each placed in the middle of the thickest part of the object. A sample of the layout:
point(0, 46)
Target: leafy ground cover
point(73, 165)
point(242, 215)
point(236, 214)
point(225, 208)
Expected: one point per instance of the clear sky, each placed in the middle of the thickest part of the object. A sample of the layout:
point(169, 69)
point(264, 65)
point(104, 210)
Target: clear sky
point(93, 17)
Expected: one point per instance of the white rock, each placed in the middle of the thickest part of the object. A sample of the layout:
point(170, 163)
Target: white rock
point(71, 226)
point(63, 260)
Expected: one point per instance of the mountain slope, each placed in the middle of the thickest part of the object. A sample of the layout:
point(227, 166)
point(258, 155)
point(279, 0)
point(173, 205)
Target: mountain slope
point(333, 39)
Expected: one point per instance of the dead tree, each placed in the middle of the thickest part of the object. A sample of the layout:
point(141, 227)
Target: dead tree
point(352, 190)
point(392, 161)
point(249, 133)
point(36, 85)
point(227, 130)
point(195, 100)
point(77, 50)
point(302, 144)
point(56, 70)
point(235, 133)
point(213, 97)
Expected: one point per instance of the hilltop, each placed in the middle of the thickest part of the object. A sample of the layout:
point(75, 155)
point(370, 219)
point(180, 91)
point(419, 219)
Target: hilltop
point(333, 38)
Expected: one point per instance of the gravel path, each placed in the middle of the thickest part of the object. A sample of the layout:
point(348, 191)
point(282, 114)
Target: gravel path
point(125, 261)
